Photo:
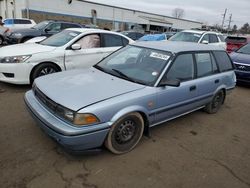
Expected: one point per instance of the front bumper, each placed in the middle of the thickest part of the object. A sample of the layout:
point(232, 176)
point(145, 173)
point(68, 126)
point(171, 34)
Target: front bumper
point(11, 40)
point(243, 76)
point(15, 73)
point(72, 138)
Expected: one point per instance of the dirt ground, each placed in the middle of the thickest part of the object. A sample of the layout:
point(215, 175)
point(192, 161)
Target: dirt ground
point(197, 151)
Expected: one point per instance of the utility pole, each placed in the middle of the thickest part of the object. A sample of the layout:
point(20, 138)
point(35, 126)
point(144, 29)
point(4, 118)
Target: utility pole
point(229, 22)
point(223, 20)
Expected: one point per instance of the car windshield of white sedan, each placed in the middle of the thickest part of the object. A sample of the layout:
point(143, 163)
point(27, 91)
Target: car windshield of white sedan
point(136, 64)
point(186, 37)
point(60, 39)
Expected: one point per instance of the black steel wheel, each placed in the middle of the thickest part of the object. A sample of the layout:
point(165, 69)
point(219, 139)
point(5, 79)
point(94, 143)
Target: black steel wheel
point(125, 133)
point(216, 103)
point(42, 70)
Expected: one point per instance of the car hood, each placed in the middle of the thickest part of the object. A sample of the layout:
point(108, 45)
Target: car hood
point(240, 58)
point(24, 49)
point(80, 88)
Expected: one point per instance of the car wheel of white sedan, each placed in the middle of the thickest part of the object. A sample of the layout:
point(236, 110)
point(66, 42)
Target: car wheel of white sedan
point(125, 133)
point(42, 70)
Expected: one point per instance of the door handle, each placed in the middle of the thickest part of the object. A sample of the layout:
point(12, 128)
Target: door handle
point(192, 88)
point(217, 81)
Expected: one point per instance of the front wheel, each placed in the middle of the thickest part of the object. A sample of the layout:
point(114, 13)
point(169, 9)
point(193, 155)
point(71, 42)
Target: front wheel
point(125, 133)
point(42, 70)
point(216, 103)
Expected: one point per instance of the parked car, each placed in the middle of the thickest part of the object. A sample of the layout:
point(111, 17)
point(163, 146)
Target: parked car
point(153, 37)
point(133, 89)
point(15, 23)
point(235, 42)
point(69, 49)
point(3, 31)
point(205, 37)
point(241, 60)
point(132, 34)
point(45, 28)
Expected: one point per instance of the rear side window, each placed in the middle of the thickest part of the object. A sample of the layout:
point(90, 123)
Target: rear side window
point(182, 68)
point(110, 40)
point(8, 21)
point(223, 61)
point(213, 38)
point(222, 39)
point(204, 64)
point(20, 21)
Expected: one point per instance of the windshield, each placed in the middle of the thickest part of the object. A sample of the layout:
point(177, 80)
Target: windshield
point(186, 37)
point(245, 49)
point(41, 25)
point(60, 39)
point(137, 64)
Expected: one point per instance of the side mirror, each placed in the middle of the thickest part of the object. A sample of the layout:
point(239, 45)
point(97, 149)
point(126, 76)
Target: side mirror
point(47, 30)
point(173, 83)
point(76, 47)
point(204, 42)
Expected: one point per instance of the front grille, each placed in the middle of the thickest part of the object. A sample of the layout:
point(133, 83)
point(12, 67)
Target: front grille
point(48, 103)
point(242, 67)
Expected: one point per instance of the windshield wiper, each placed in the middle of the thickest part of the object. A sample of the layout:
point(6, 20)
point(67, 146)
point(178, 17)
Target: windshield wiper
point(124, 75)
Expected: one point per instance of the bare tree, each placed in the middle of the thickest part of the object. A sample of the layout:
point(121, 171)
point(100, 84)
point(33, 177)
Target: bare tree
point(178, 13)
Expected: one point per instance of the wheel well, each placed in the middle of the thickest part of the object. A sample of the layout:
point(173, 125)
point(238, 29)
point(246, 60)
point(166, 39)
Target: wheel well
point(146, 123)
point(33, 69)
point(224, 91)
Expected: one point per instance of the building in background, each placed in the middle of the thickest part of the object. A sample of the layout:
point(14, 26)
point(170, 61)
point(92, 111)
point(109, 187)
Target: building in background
point(84, 12)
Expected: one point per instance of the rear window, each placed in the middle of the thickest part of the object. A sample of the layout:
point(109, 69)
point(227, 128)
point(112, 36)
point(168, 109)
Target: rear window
point(223, 61)
point(70, 25)
point(236, 40)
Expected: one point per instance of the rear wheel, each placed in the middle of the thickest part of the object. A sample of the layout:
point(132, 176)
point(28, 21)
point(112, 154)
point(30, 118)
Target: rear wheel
point(42, 70)
point(216, 103)
point(125, 134)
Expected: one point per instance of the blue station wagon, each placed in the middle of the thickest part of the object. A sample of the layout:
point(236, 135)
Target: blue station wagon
point(137, 87)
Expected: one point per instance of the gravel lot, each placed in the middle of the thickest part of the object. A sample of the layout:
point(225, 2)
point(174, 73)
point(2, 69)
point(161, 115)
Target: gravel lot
point(197, 151)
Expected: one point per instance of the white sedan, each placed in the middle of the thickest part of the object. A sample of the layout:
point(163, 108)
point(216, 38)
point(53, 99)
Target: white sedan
point(69, 49)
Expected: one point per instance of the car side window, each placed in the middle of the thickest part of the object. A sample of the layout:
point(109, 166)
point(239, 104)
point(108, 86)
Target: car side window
point(89, 41)
point(54, 27)
point(182, 68)
point(223, 61)
point(20, 21)
point(204, 64)
point(205, 38)
point(111, 40)
point(69, 25)
point(213, 38)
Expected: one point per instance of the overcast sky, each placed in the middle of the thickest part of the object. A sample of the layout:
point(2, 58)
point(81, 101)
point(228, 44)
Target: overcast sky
point(207, 11)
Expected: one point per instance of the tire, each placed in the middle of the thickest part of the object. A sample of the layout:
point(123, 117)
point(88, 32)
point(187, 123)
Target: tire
point(216, 103)
point(1, 40)
point(125, 133)
point(42, 70)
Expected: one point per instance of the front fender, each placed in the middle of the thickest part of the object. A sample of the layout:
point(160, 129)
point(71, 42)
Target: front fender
point(129, 109)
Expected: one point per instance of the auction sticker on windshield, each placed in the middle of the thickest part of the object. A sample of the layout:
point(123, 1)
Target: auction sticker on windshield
point(159, 56)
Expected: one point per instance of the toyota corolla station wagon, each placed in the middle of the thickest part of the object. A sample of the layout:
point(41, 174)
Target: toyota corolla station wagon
point(133, 89)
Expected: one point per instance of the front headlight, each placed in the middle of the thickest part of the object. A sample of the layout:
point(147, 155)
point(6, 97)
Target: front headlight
point(15, 59)
point(85, 119)
point(16, 35)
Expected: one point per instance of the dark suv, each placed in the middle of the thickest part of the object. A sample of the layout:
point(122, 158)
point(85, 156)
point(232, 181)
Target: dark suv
point(45, 28)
